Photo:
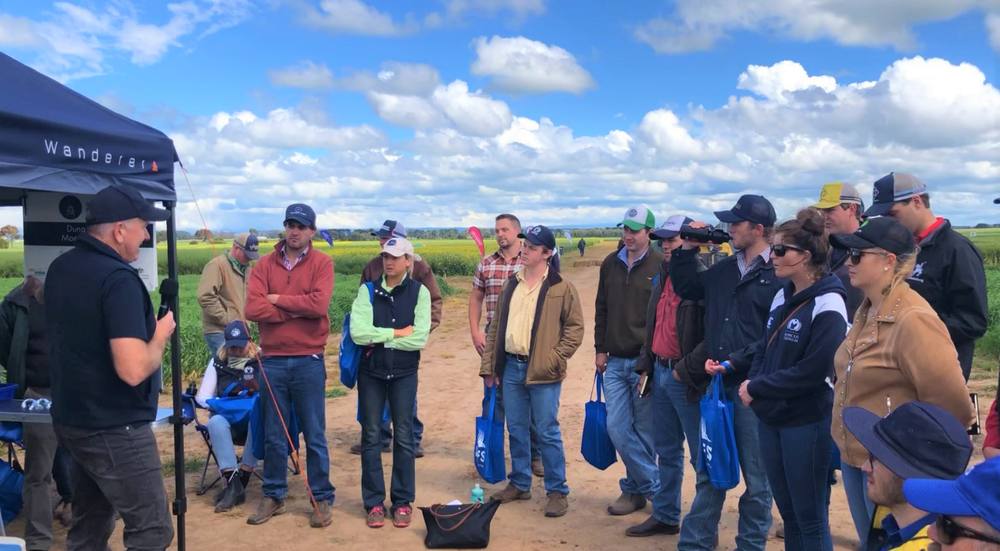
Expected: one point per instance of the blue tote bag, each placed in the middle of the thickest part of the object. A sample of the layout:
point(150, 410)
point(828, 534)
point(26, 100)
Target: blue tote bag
point(597, 447)
point(350, 354)
point(489, 442)
point(235, 409)
point(718, 455)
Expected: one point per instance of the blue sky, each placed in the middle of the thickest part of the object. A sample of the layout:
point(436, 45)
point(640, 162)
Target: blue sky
point(444, 113)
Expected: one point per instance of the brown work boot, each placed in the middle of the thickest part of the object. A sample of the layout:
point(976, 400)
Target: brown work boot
point(626, 504)
point(266, 509)
point(557, 505)
point(510, 493)
point(537, 469)
point(325, 517)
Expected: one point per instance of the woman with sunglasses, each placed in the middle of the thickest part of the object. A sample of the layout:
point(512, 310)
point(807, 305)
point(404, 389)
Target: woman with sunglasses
point(789, 384)
point(897, 351)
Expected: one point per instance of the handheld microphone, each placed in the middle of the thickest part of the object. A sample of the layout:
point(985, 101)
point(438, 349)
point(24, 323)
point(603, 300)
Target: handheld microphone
point(168, 292)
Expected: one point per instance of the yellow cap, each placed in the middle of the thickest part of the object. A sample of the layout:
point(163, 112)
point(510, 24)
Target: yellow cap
point(838, 193)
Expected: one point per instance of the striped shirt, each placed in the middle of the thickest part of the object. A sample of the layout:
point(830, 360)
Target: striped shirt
point(288, 263)
point(741, 260)
point(491, 273)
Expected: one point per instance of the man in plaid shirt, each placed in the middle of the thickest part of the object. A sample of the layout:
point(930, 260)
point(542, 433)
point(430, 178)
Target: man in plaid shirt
point(491, 273)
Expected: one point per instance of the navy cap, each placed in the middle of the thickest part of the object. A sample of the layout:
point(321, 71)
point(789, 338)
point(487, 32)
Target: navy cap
point(236, 335)
point(917, 440)
point(116, 203)
point(539, 235)
point(996, 201)
point(390, 228)
point(971, 495)
point(884, 233)
point(751, 208)
point(894, 187)
point(301, 213)
point(249, 243)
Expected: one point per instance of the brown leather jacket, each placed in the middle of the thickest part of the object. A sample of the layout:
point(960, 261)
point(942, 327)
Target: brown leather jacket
point(897, 352)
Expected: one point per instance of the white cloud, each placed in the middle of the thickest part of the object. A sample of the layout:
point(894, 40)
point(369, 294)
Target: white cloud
point(697, 25)
point(993, 27)
point(306, 75)
point(394, 77)
point(73, 41)
point(355, 17)
point(519, 8)
point(521, 65)
point(787, 76)
point(782, 134)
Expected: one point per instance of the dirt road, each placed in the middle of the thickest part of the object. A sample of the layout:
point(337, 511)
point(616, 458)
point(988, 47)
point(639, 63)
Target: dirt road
point(449, 396)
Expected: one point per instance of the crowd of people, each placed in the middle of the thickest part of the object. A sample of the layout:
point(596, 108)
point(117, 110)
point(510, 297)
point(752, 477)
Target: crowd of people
point(843, 337)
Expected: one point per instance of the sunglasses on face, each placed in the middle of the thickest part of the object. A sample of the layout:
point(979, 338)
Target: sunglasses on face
point(781, 250)
point(948, 531)
point(854, 255)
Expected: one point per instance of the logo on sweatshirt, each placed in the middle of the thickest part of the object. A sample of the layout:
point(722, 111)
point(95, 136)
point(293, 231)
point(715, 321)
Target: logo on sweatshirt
point(795, 325)
point(791, 333)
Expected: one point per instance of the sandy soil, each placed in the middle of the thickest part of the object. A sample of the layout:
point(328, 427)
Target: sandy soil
point(450, 394)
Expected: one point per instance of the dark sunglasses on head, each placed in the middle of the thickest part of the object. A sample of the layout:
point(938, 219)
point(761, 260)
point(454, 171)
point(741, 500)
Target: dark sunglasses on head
point(948, 531)
point(780, 250)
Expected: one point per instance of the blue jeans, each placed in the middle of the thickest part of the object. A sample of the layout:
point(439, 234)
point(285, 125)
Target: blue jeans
point(299, 382)
point(221, 435)
point(418, 427)
point(702, 523)
point(797, 460)
point(373, 393)
point(535, 454)
point(676, 420)
point(630, 425)
point(214, 341)
point(536, 405)
point(862, 509)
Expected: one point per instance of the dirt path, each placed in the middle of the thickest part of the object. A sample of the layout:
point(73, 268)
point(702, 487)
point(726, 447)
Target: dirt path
point(449, 396)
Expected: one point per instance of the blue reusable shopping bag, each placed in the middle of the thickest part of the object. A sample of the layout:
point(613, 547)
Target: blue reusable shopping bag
point(235, 409)
point(718, 455)
point(11, 484)
point(257, 423)
point(489, 442)
point(597, 447)
point(349, 356)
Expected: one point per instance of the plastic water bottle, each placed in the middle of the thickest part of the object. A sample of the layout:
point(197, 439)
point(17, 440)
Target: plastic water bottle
point(477, 494)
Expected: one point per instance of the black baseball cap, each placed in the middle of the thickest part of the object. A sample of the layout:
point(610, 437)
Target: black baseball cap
point(882, 232)
point(116, 203)
point(539, 235)
point(917, 440)
point(894, 187)
point(301, 213)
point(751, 208)
point(236, 335)
point(390, 228)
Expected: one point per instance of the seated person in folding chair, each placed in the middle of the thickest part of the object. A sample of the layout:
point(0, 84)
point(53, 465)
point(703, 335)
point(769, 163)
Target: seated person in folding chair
point(231, 370)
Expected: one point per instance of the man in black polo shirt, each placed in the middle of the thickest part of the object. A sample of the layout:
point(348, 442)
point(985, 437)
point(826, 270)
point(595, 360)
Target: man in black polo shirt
point(105, 345)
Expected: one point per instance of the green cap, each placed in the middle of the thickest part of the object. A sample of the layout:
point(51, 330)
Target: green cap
point(638, 217)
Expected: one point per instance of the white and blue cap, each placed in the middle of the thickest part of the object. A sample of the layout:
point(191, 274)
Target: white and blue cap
point(671, 228)
point(897, 186)
point(301, 213)
point(390, 228)
point(236, 335)
point(397, 247)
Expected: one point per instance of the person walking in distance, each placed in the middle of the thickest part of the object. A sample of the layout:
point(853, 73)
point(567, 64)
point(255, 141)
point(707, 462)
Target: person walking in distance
point(222, 289)
point(623, 291)
point(289, 298)
point(738, 291)
point(420, 271)
point(674, 348)
point(540, 326)
point(491, 273)
point(949, 270)
point(105, 347)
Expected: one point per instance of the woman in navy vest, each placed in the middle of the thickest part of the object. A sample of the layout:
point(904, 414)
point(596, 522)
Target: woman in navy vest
point(790, 388)
point(230, 371)
point(392, 318)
